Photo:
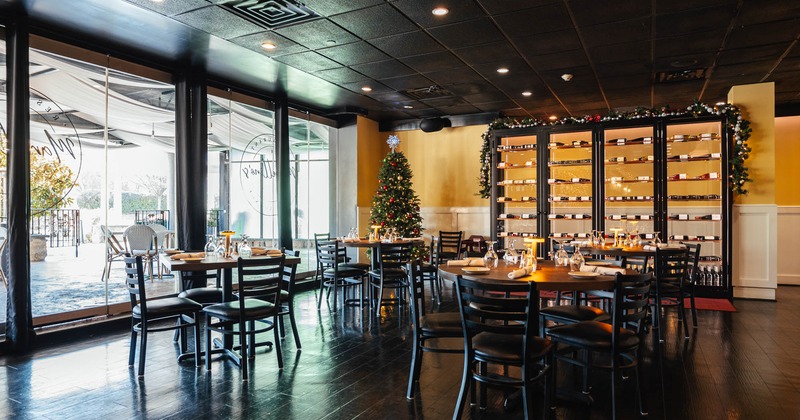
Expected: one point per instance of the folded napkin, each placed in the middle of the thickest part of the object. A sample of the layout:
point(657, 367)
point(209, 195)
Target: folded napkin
point(183, 255)
point(605, 271)
point(522, 272)
point(466, 262)
point(351, 240)
point(664, 246)
point(581, 243)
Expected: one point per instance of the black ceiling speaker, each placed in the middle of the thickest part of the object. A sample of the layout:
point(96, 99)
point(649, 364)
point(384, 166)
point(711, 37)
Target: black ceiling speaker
point(430, 125)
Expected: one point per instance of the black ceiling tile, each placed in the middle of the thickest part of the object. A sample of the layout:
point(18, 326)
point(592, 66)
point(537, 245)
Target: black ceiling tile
point(694, 21)
point(579, 75)
point(747, 55)
point(407, 44)
point(308, 61)
point(548, 18)
point(419, 11)
point(353, 53)
point(682, 5)
point(517, 67)
point(462, 89)
point(341, 75)
point(486, 96)
point(219, 22)
point(424, 63)
point(254, 41)
point(764, 33)
point(335, 7)
point(459, 109)
point(549, 43)
point(445, 101)
point(520, 83)
point(785, 83)
point(615, 33)
point(685, 62)
point(635, 50)
point(374, 22)
point(465, 34)
point(425, 113)
point(588, 108)
point(753, 70)
point(504, 6)
point(514, 112)
point(486, 53)
point(383, 69)
point(628, 97)
point(765, 11)
point(622, 68)
point(413, 81)
point(689, 44)
point(789, 65)
point(559, 60)
point(494, 106)
point(632, 82)
point(396, 99)
point(461, 75)
point(317, 34)
point(592, 12)
point(170, 8)
point(377, 88)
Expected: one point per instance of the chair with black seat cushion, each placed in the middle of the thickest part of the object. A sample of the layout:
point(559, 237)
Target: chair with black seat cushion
point(621, 340)
point(500, 329)
point(692, 273)
point(448, 247)
point(149, 316)
point(390, 273)
point(320, 237)
point(671, 287)
point(258, 278)
point(287, 300)
point(428, 326)
point(430, 271)
point(337, 275)
point(194, 286)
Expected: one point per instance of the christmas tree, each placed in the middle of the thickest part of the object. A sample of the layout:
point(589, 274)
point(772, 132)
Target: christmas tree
point(395, 205)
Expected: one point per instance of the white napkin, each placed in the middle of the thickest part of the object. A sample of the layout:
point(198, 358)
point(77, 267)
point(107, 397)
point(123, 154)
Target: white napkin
point(466, 262)
point(522, 272)
point(606, 271)
point(664, 246)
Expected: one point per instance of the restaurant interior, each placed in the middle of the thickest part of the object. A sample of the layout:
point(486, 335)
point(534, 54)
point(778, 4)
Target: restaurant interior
point(618, 177)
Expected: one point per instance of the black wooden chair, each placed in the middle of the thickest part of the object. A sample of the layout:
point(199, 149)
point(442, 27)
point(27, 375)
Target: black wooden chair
point(427, 326)
point(390, 273)
point(287, 300)
point(500, 329)
point(672, 286)
point(320, 237)
point(445, 248)
point(693, 270)
point(258, 278)
point(194, 286)
point(149, 316)
point(621, 340)
point(337, 274)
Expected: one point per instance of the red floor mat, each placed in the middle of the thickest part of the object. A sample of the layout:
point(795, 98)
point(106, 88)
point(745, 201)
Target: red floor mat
point(708, 304)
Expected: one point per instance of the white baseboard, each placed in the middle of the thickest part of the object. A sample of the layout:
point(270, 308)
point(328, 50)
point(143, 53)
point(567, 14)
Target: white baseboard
point(753, 293)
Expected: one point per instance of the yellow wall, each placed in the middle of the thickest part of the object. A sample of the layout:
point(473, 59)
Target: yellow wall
point(372, 148)
point(787, 156)
point(757, 102)
point(445, 164)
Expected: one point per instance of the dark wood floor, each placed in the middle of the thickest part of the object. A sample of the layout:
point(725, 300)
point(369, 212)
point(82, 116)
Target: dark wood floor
point(743, 365)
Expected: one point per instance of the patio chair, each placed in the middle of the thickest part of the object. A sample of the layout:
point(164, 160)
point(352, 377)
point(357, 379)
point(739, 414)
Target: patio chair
point(140, 240)
point(114, 251)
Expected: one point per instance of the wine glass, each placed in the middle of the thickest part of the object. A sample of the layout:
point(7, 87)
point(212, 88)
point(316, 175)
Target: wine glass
point(210, 250)
point(576, 260)
point(656, 240)
point(244, 249)
point(561, 256)
point(490, 260)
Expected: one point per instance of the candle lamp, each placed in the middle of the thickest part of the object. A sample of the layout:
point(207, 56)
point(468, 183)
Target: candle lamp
point(375, 236)
point(530, 243)
point(616, 235)
point(227, 234)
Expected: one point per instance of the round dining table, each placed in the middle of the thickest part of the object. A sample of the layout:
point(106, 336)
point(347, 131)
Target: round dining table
point(547, 277)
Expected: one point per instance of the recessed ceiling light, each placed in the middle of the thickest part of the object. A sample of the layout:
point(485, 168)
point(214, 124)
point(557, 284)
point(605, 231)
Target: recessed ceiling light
point(527, 93)
point(366, 89)
point(553, 118)
point(720, 103)
point(502, 70)
point(268, 45)
point(440, 11)
point(408, 106)
point(567, 77)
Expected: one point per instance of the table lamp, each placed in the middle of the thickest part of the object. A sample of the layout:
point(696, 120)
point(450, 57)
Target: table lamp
point(375, 236)
point(530, 243)
point(616, 235)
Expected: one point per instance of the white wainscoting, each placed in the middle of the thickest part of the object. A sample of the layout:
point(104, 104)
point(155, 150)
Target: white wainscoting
point(788, 245)
point(755, 251)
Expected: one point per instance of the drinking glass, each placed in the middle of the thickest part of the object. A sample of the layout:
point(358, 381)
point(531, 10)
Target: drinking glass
point(490, 260)
point(561, 256)
point(210, 249)
point(576, 260)
point(244, 249)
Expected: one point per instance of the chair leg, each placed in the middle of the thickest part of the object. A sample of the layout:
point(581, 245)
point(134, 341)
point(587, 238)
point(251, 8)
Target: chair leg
point(243, 361)
point(132, 352)
point(380, 297)
point(416, 367)
point(685, 321)
point(637, 374)
point(321, 292)
point(208, 343)
point(197, 340)
point(659, 324)
point(550, 386)
point(438, 282)
point(465, 385)
point(694, 311)
point(142, 348)
point(277, 345)
point(615, 383)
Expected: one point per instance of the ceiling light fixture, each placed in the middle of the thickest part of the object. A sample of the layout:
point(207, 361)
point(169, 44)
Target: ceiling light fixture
point(268, 45)
point(502, 70)
point(720, 103)
point(366, 89)
point(567, 77)
point(408, 107)
point(440, 11)
point(527, 93)
point(553, 118)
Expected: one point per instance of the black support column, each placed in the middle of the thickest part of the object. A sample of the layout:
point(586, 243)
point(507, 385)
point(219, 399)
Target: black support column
point(19, 322)
point(283, 165)
point(191, 155)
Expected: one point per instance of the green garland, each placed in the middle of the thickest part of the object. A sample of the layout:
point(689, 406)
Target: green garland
point(739, 126)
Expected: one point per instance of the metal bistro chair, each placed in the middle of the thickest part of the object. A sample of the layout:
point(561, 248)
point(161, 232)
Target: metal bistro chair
point(140, 240)
point(146, 312)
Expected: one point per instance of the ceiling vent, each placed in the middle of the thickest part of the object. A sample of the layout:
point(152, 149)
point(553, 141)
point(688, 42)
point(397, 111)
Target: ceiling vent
point(429, 92)
point(270, 14)
point(681, 75)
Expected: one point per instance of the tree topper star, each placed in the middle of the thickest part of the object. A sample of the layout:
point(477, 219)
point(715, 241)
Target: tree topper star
point(393, 142)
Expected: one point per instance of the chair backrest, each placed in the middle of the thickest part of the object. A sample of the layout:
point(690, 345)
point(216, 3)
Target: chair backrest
point(260, 278)
point(134, 281)
point(139, 238)
point(671, 265)
point(694, 262)
point(322, 237)
point(449, 246)
point(474, 246)
point(289, 272)
point(508, 308)
point(416, 283)
point(113, 247)
point(636, 264)
point(391, 255)
point(330, 253)
point(192, 279)
point(631, 299)
point(161, 233)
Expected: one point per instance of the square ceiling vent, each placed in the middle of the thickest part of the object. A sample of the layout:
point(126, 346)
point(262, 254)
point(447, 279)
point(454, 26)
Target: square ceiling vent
point(271, 14)
point(428, 92)
point(681, 75)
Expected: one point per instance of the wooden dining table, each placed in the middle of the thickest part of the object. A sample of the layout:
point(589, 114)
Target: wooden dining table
point(547, 277)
